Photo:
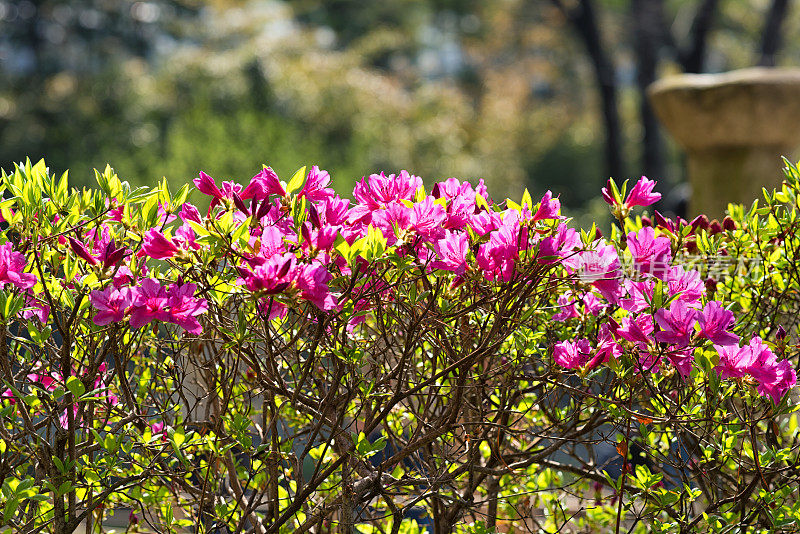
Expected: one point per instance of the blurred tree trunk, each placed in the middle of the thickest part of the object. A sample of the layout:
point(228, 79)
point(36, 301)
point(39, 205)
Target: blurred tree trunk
point(692, 58)
point(648, 37)
point(583, 19)
point(771, 35)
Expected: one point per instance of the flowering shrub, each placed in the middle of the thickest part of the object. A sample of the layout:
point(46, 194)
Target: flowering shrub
point(293, 361)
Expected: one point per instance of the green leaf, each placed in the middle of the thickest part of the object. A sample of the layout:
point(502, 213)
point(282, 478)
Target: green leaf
point(178, 437)
point(109, 443)
point(297, 181)
point(75, 386)
point(526, 199)
point(181, 197)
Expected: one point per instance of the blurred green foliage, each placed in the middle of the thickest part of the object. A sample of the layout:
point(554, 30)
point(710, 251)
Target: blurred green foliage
point(493, 90)
point(240, 84)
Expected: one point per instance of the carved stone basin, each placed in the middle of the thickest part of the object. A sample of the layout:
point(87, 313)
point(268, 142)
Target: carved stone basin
point(734, 127)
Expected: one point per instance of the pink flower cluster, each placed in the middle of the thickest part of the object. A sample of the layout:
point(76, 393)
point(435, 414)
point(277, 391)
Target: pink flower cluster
point(434, 230)
point(660, 336)
point(12, 271)
point(292, 253)
point(12, 268)
point(149, 301)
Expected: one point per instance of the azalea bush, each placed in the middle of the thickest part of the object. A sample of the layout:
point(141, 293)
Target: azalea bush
point(289, 360)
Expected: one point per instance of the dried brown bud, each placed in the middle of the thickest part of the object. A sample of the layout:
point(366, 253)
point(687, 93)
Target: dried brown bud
point(699, 222)
point(728, 223)
point(711, 286)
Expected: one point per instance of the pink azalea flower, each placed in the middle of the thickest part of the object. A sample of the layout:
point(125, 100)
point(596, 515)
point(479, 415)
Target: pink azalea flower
point(496, 257)
point(379, 190)
point(48, 381)
point(263, 184)
point(571, 355)
point(484, 222)
point(312, 280)
point(774, 377)
point(114, 214)
point(157, 246)
point(189, 212)
point(184, 307)
point(599, 266)
point(334, 210)
point(565, 243)
point(651, 254)
point(452, 252)
point(451, 188)
point(677, 323)
point(734, 361)
point(35, 308)
point(427, 218)
point(396, 215)
point(784, 379)
point(271, 308)
point(12, 267)
point(185, 238)
point(460, 210)
point(149, 303)
point(111, 304)
point(206, 185)
point(715, 323)
point(640, 295)
point(567, 305)
point(270, 277)
point(320, 239)
point(592, 304)
point(642, 193)
point(272, 242)
point(687, 283)
point(682, 361)
point(549, 208)
point(636, 329)
point(607, 348)
point(123, 276)
point(315, 187)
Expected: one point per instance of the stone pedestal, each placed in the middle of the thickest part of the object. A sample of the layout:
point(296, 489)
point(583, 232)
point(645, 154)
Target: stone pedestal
point(734, 127)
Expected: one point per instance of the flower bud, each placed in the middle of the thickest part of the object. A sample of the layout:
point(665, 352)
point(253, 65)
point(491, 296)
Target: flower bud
point(662, 221)
point(714, 227)
point(780, 335)
point(728, 224)
point(711, 286)
point(81, 251)
point(700, 222)
point(239, 203)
